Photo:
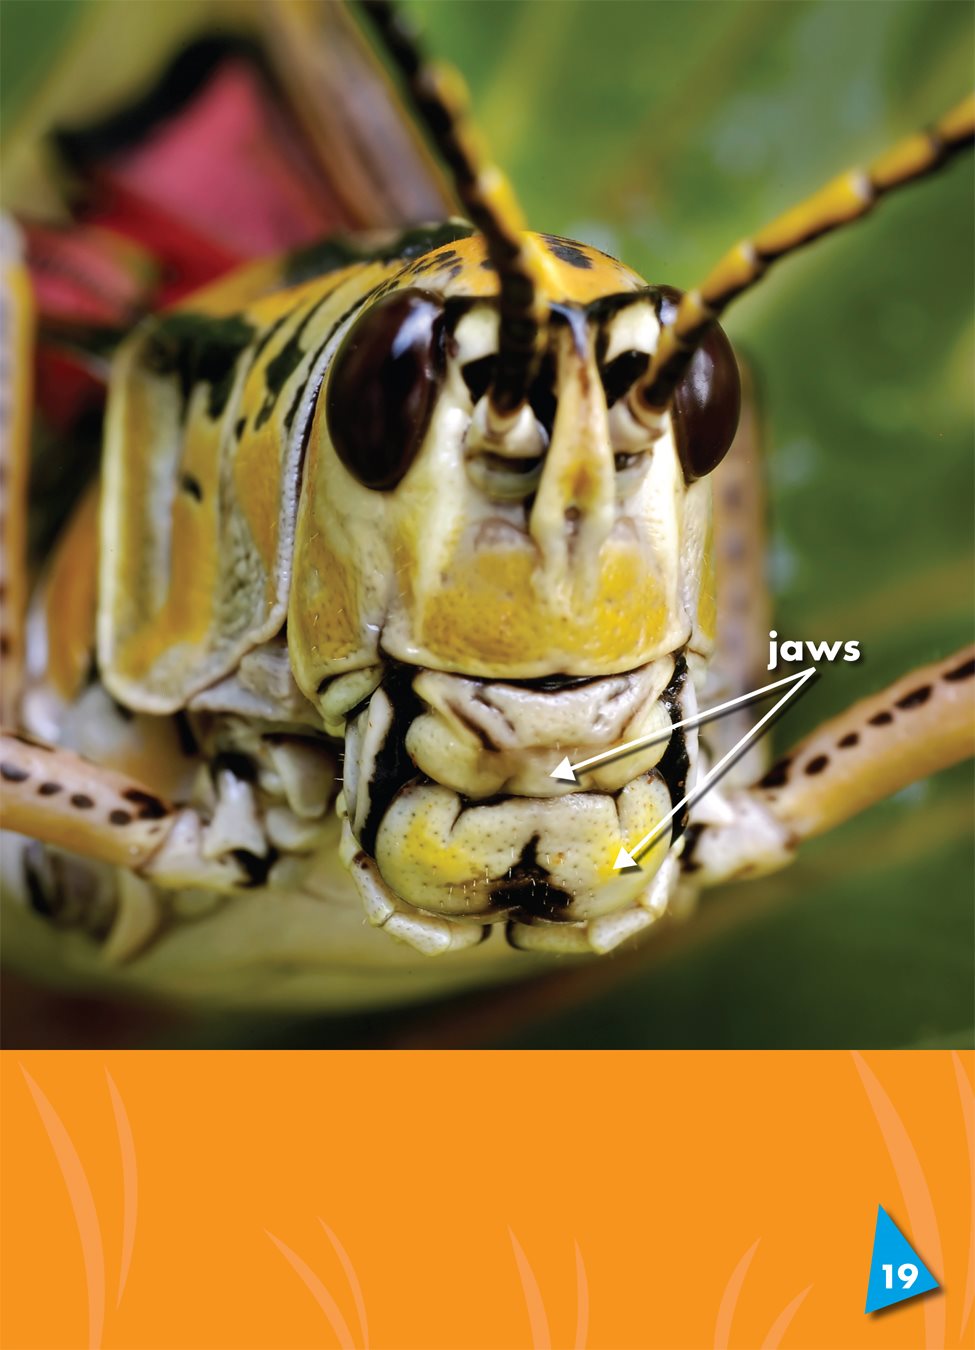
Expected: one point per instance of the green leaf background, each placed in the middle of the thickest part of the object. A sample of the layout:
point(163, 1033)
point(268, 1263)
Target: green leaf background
point(663, 131)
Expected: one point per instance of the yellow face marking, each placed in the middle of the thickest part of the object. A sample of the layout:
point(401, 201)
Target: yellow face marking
point(495, 615)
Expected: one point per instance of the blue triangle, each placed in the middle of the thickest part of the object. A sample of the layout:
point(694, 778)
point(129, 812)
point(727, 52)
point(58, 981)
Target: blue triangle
point(891, 1251)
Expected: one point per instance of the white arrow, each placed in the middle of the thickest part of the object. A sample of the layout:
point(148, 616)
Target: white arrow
point(630, 858)
point(566, 772)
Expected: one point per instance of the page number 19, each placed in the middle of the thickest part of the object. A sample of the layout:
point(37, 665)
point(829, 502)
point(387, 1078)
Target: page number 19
point(906, 1273)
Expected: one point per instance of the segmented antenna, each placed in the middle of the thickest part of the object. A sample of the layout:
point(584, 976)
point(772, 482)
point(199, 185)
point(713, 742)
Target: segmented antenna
point(441, 101)
point(843, 200)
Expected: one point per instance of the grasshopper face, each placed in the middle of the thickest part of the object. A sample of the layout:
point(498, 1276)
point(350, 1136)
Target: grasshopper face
point(506, 598)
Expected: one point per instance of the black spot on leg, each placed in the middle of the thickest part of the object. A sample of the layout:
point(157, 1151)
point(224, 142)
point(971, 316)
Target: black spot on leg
point(82, 801)
point(49, 789)
point(881, 719)
point(851, 738)
point(963, 672)
point(915, 698)
point(149, 807)
point(120, 817)
point(778, 775)
point(13, 773)
point(817, 765)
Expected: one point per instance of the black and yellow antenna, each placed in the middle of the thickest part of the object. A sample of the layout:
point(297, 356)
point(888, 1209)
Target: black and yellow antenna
point(441, 101)
point(841, 201)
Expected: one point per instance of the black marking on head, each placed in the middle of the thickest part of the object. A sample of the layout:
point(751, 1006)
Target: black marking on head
point(49, 789)
point(199, 349)
point(963, 672)
point(256, 868)
point(478, 732)
point(13, 773)
point(375, 294)
point(674, 764)
point(393, 766)
point(817, 765)
point(82, 801)
point(441, 261)
point(778, 775)
point(915, 698)
point(281, 367)
point(881, 719)
point(622, 373)
point(120, 817)
point(526, 891)
point(478, 374)
point(851, 738)
point(567, 251)
point(233, 762)
point(191, 486)
point(149, 807)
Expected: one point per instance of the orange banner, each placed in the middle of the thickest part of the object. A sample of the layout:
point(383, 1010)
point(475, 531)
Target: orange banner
point(432, 1199)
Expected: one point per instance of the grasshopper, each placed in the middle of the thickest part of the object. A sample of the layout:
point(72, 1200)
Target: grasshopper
point(386, 526)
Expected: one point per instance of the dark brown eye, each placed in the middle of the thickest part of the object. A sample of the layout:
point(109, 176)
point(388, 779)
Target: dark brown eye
point(382, 387)
point(707, 401)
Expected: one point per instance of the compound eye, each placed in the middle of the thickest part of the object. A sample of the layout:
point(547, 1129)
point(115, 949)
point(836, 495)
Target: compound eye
point(382, 387)
point(707, 401)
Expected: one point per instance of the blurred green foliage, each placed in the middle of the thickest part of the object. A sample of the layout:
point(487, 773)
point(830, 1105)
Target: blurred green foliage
point(662, 132)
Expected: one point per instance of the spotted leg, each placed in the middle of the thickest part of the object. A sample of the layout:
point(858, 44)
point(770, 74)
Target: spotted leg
point(62, 800)
point(923, 723)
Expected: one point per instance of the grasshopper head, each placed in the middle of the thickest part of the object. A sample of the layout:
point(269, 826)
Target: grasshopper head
point(476, 595)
